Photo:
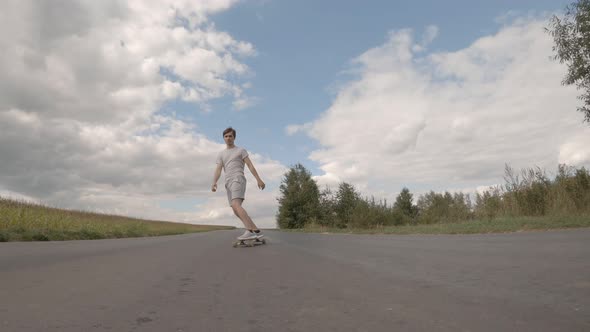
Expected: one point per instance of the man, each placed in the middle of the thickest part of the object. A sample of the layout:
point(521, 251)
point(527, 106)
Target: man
point(232, 160)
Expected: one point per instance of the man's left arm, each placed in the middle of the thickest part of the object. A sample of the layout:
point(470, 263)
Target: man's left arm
point(248, 162)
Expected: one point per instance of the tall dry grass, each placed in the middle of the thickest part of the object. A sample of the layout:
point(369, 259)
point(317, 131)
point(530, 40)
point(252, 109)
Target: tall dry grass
point(531, 192)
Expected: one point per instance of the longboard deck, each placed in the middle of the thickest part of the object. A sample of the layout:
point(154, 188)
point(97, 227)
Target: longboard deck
point(248, 243)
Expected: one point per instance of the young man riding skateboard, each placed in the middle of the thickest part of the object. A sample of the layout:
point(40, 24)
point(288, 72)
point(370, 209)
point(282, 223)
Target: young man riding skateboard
point(232, 160)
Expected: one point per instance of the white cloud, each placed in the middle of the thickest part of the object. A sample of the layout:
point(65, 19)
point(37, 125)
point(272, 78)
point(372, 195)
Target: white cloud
point(429, 35)
point(575, 150)
point(100, 61)
point(291, 130)
point(81, 84)
point(241, 103)
point(451, 119)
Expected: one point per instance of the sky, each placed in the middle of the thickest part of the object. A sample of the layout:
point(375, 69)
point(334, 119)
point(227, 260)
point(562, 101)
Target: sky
point(119, 106)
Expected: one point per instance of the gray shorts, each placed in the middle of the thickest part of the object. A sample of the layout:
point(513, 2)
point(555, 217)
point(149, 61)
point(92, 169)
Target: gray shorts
point(236, 188)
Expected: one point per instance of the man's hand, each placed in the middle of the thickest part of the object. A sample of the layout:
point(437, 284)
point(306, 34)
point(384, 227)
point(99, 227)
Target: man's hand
point(248, 162)
point(216, 177)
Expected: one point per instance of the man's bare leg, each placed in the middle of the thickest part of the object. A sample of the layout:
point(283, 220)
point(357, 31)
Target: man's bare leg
point(236, 205)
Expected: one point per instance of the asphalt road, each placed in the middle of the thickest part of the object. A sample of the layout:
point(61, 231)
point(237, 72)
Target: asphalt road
point(537, 281)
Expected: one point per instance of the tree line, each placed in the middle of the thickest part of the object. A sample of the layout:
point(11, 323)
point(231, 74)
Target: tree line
point(530, 192)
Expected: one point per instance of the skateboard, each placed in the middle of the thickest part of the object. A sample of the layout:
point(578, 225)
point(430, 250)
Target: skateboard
point(249, 243)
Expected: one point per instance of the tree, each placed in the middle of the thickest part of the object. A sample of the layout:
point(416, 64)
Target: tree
point(299, 202)
point(572, 44)
point(328, 207)
point(403, 203)
point(346, 200)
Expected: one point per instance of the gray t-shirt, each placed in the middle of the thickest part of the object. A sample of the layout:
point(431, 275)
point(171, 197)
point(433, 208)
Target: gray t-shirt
point(232, 161)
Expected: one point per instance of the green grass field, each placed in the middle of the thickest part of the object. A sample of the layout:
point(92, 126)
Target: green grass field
point(23, 221)
point(499, 225)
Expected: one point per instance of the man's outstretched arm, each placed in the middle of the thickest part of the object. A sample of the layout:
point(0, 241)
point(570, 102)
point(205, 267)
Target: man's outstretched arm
point(216, 177)
point(248, 162)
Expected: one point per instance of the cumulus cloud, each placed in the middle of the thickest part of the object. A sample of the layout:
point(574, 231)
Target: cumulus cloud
point(101, 62)
point(447, 120)
point(81, 86)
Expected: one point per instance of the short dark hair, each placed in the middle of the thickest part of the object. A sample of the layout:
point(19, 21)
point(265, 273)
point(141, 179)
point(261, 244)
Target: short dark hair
point(229, 129)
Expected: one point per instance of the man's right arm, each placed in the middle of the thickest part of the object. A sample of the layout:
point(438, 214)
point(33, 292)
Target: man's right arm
point(216, 177)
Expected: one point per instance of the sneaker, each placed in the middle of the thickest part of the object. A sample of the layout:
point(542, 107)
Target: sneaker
point(247, 236)
point(259, 236)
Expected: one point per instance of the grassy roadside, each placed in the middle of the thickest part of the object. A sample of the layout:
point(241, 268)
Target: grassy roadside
point(499, 225)
point(23, 221)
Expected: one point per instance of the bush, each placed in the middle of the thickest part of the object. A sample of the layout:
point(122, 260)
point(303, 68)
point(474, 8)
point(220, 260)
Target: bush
point(487, 204)
point(443, 208)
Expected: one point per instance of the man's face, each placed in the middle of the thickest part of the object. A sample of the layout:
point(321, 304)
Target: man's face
point(229, 138)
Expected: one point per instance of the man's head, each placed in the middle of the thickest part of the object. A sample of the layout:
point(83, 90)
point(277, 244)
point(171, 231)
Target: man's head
point(229, 135)
point(229, 130)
